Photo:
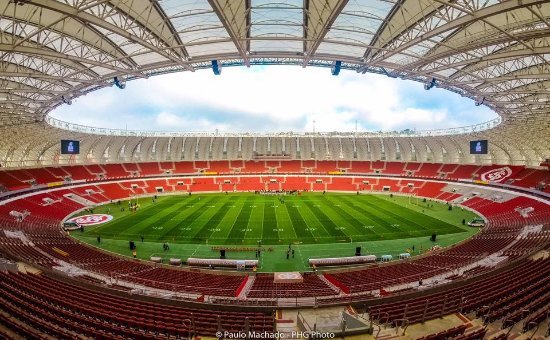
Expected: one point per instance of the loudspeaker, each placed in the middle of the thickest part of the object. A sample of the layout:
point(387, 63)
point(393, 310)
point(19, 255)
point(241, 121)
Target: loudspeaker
point(222, 254)
point(357, 251)
point(132, 245)
point(433, 238)
point(335, 70)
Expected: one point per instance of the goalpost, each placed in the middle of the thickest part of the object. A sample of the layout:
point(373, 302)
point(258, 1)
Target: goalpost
point(413, 195)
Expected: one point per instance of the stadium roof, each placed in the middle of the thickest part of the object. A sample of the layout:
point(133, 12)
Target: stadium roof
point(494, 51)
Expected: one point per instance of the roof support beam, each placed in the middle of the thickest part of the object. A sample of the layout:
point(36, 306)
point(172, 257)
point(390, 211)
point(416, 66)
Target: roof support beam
point(370, 50)
point(493, 57)
point(473, 46)
point(501, 79)
point(58, 80)
point(176, 37)
point(463, 21)
point(86, 17)
point(97, 40)
point(59, 56)
point(316, 30)
point(235, 18)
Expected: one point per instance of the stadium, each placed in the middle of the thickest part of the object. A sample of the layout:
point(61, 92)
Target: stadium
point(439, 233)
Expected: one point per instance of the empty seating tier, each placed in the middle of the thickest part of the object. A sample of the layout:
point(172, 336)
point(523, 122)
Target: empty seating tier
point(63, 310)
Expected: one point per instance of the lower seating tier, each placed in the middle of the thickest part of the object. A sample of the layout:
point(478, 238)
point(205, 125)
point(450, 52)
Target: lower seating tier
point(64, 310)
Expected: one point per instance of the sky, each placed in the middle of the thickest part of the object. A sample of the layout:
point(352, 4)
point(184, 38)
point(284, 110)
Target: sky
point(273, 99)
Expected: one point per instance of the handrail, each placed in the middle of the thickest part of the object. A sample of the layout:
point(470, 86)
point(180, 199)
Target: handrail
point(537, 325)
point(189, 325)
point(404, 325)
point(57, 123)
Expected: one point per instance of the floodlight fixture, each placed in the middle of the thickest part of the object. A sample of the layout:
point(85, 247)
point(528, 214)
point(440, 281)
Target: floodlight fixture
point(480, 101)
point(389, 74)
point(67, 101)
point(429, 85)
point(335, 70)
point(216, 67)
point(121, 84)
point(19, 2)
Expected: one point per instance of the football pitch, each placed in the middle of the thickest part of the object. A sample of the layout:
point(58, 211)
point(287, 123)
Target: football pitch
point(315, 224)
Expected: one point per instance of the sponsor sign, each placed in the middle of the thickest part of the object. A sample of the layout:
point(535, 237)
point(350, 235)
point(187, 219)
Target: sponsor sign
point(288, 277)
point(496, 175)
point(94, 219)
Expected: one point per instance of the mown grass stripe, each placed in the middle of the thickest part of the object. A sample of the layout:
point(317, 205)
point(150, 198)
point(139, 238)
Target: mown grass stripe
point(363, 206)
point(255, 224)
point(213, 221)
point(134, 225)
point(175, 230)
point(428, 224)
point(360, 229)
point(430, 221)
point(270, 226)
point(164, 218)
point(372, 214)
point(303, 231)
point(325, 221)
point(313, 225)
point(219, 231)
point(284, 221)
point(238, 230)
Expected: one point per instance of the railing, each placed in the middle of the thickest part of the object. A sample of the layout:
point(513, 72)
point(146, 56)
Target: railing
point(138, 133)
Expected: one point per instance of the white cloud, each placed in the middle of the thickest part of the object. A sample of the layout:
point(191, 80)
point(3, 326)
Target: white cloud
point(166, 119)
point(276, 98)
point(171, 121)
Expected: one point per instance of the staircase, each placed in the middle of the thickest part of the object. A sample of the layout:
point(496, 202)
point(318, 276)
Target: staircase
point(244, 292)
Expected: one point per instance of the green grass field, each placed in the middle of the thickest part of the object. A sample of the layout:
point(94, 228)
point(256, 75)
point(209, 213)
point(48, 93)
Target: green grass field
point(316, 225)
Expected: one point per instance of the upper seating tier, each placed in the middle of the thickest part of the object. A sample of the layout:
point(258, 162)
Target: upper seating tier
point(516, 175)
